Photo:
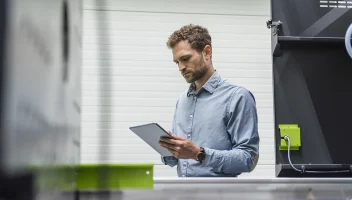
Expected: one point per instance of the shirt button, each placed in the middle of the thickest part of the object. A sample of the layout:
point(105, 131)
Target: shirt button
point(191, 116)
point(189, 135)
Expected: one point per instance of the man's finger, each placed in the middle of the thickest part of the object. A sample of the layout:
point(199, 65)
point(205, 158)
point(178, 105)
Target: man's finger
point(170, 141)
point(178, 138)
point(170, 133)
point(175, 136)
point(168, 145)
point(173, 149)
point(174, 153)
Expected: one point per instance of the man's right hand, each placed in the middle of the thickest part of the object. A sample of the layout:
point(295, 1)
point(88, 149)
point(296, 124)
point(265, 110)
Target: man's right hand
point(180, 147)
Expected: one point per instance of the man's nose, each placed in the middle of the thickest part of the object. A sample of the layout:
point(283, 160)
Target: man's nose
point(181, 67)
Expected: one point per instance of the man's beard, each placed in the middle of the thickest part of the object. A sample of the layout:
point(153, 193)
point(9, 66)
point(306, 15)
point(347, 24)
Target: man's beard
point(199, 72)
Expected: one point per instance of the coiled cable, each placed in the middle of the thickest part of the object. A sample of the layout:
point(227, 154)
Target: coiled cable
point(287, 138)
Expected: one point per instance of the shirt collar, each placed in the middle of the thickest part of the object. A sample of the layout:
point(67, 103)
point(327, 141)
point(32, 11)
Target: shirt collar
point(210, 85)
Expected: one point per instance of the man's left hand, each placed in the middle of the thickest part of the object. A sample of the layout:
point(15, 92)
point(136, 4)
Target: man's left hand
point(181, 148)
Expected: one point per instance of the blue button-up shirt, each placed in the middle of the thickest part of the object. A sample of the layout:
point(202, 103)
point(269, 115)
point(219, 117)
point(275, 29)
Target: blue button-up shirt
point(222, 118)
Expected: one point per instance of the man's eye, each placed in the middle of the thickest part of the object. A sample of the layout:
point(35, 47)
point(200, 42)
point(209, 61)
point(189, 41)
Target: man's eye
point(185, 59)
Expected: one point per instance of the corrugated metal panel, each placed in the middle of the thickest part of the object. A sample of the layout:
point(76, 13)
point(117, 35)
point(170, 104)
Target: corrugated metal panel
point(129, 77)
point(223, 7)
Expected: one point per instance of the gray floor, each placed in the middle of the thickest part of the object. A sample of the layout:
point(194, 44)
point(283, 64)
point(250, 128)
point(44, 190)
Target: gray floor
point(221, 189)
point(242, 189)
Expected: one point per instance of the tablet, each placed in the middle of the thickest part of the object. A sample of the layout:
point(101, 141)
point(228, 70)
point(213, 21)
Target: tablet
point(151, 134)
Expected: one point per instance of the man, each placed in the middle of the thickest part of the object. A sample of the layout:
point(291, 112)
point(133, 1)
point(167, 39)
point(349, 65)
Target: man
point(215, 128)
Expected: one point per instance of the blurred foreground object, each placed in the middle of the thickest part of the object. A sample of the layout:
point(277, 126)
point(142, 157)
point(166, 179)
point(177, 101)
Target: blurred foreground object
point(40, 60)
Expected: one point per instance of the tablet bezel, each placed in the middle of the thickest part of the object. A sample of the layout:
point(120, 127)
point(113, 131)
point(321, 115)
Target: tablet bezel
point(152, 138)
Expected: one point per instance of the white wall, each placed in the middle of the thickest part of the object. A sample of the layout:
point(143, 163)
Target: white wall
point(129, 77)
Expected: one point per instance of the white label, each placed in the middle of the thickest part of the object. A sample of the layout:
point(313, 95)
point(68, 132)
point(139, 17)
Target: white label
point(335, 4)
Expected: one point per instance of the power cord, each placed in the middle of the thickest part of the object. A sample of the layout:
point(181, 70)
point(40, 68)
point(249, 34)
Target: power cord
point(287, 138)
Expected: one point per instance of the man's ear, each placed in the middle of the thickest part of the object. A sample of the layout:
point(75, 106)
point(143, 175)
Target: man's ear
point(207, 52)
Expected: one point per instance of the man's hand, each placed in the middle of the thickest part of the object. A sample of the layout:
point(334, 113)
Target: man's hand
point(180, 147)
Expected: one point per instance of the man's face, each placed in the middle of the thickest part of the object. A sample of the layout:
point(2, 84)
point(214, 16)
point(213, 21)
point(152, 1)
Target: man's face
point(190, 63)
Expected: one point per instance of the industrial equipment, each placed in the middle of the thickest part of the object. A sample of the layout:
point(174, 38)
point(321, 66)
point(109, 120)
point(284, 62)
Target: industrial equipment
point(312, 83)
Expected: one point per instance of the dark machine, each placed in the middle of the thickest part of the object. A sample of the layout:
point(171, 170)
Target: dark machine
point(312, 87)
point(40, 60)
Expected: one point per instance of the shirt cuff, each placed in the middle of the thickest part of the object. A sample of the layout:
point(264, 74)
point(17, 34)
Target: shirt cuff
point(210, 157)
point(169, 160)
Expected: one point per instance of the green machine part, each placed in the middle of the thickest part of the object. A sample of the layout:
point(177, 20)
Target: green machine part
point(94, 176)
point(294, 132)
point(115, 176)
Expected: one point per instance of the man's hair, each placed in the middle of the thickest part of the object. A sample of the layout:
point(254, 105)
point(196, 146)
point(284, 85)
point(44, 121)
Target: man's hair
point(198, 37)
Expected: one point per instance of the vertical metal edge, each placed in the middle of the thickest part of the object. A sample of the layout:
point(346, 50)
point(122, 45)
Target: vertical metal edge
point(3, 24)
point(273, 83)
